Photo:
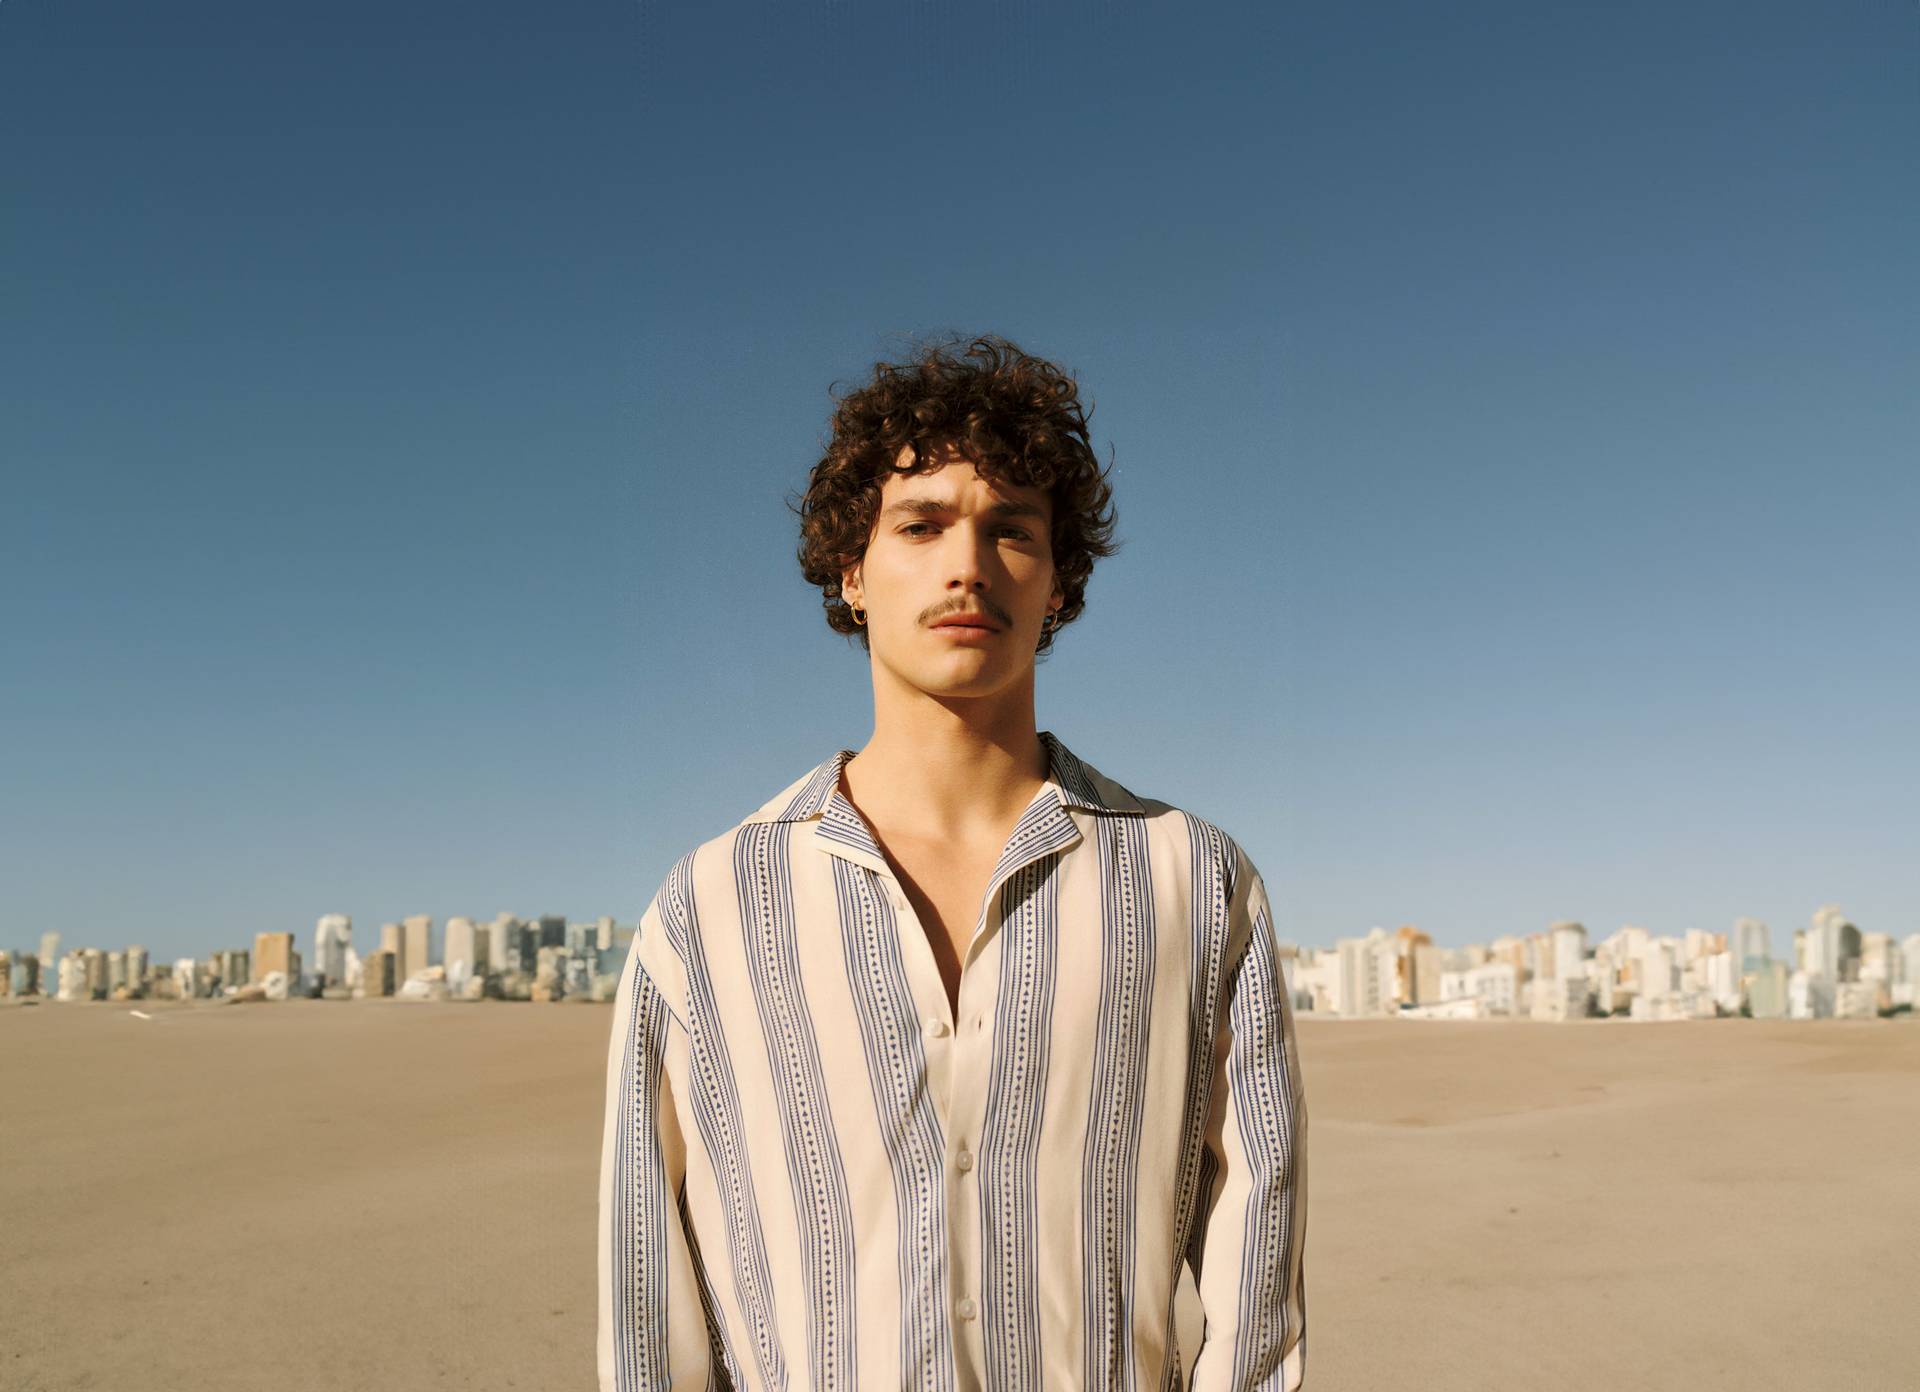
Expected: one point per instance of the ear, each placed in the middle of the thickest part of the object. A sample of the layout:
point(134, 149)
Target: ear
point(850, 586)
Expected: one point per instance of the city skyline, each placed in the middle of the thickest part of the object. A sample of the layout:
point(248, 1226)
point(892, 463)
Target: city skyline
point(1829, 970)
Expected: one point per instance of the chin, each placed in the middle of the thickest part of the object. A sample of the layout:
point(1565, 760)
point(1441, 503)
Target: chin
point(953, 678)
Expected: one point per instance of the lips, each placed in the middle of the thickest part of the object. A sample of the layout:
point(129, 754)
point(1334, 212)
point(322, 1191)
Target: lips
point(969, 621)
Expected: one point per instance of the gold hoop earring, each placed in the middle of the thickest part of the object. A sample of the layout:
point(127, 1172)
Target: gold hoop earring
point(859, 615)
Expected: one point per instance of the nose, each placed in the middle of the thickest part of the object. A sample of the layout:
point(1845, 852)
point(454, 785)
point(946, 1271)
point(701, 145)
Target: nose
point(970, 548)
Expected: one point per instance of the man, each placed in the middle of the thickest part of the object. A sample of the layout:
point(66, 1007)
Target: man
point(932, 1072)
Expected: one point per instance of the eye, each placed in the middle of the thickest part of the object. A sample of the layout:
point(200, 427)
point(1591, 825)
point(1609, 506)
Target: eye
point(908, 529)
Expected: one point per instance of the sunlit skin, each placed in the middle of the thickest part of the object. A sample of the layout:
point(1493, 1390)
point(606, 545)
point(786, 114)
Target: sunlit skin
point(954, 752)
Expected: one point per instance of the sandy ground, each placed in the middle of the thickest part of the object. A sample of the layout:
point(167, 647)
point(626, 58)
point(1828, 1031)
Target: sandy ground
point(401, 1196)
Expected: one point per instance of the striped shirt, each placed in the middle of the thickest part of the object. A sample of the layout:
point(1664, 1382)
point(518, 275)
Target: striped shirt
point(815, 1174)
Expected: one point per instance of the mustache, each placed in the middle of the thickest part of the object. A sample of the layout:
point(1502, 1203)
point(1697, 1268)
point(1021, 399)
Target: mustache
point(993, 611)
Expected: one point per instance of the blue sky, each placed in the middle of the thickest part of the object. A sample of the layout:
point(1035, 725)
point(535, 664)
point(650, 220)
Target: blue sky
point(1512, 410)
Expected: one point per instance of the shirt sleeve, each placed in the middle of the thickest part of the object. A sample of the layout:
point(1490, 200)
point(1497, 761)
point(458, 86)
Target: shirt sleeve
point(654, 1327)
point(1247, 1251)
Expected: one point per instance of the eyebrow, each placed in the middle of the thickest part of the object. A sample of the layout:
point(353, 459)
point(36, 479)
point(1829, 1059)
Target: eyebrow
point(933, 507)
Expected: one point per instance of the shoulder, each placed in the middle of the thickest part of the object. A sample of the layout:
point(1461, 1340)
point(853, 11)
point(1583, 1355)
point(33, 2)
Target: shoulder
point(710, 866)
point(1207, 844)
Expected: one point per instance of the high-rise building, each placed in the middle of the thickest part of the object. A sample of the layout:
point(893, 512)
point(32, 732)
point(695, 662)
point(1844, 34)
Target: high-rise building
point(1752, 944)
point(466, 950)
point(191, 980)
point(1833, 946)
point(1880, 958)
point(73, 978)
point(1367, 974)
point(1406, 942)
point(96, 968)
point(1569, 948)
point(419, 939)
point(378, 973)
point(393, 940)
point(273, 952)
point(550, 930)
point(1659, 968)
point(505, 942)
point(50, 960)
point(1767, 991)
point(332, 939)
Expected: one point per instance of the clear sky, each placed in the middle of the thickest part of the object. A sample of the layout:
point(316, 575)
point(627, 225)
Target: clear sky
point(1512, 407)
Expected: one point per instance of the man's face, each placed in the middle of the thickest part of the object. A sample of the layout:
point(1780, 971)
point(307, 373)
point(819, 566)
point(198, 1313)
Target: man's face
point(957, 578)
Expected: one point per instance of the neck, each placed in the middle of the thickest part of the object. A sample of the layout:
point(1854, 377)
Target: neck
point(950, 767)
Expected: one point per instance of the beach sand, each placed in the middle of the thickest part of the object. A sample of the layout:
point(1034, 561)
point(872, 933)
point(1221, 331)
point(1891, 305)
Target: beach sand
point(401, 1196)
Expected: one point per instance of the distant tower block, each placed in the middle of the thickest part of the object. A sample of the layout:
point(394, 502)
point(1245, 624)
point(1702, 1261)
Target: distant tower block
point(1833, 948)
point(1752, 944)
point(6, 974)
point(377, 973)
point(190, 979)
point(550, 931)
point(137, 965)
point(1569, 948)
point(418, 932)
point(236, 967)
point(50, 958)
point(503, 949)
point(116, 972)
point(332, 940)
point(466, 949)
point(393, 939)
point(272, 952)
point(96, 961)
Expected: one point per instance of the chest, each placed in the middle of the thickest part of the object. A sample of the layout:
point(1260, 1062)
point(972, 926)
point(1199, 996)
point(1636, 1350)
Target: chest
point(947, 883)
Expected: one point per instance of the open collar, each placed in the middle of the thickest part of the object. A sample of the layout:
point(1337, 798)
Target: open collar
point(1045, 826)
point(1077, 783)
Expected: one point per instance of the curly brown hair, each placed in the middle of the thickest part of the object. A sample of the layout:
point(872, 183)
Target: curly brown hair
point(1018, 418)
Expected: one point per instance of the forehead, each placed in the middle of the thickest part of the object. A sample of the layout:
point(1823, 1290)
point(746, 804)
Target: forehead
point(948, 475)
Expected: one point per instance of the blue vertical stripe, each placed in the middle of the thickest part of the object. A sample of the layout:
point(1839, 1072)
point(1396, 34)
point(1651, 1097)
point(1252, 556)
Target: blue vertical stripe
point(1110, 1163)
point(716, 1109)
point(909, 1127)
point(763, 883)
point(1264, 1109)
point(1206, 956)
point(1009, 1151)
point(640, 1239)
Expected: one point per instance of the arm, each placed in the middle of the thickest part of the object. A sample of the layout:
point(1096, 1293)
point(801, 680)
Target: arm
point(1247, 1249)
point(653, 1328)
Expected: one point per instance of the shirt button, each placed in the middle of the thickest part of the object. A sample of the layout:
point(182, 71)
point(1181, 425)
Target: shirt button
point(964, 1160)
point(936, 1028)
point(967, 1308)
